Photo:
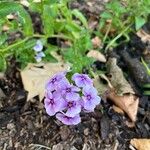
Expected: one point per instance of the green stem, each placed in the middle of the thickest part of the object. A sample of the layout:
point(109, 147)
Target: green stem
point(107, 32)
point(116, 38)
point(27, 38)
point(14, 45)
point(53, 36)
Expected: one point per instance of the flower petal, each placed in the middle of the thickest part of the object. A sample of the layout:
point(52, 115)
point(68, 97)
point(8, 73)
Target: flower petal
point(68, 120)
point(39, 46)
point(76, 109)
point(50, 111)
point(72, 96)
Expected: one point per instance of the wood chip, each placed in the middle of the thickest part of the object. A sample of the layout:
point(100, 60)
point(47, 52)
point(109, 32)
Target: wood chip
point(96, 55)
point(141, 144)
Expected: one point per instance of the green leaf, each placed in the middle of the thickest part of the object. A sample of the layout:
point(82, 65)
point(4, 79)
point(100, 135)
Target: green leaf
point(139, 22)
point(11, 7)
point(106, 15)
point(146, 85)
point(35, 7)
point(49, 58)
point(146, 93)
point(80, 16)
point(48, 20)
point(2, 63)
point(3, 38)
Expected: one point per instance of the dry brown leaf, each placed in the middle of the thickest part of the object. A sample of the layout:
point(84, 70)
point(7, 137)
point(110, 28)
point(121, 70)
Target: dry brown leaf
point(128, 103)
point(96, 42)
point(92, 22)
point(5, 28)
point(96, 55)
point(2, 75)
point(100, 86)
point(34, 77)
point(141, 144)
point(117, 78)
point(118, 110)
point(24, 3)
point(145, 37)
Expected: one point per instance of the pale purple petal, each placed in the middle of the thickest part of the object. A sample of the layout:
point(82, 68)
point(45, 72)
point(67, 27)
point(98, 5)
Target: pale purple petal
point(72, 96)
point(89, 105)
point(68, 90)
point(53, 83)
point(40, 54)
point(75, 88)
point(97, 100)
point(82, 80)
point(90, 98)
point(39, 46)
point(89, 90)
point(68, 120)
point(74, 109)
point(38, 59)
point(50, 111)
point(53, 103)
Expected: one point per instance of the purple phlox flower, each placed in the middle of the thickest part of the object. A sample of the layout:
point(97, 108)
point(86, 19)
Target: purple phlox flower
point(68, 120)
point(69, 90)
point(90, 98)
point(82, 80)
point(72, 107)
point(53, 103)
point(39, 46)
point(54, 82)
point(39, 56)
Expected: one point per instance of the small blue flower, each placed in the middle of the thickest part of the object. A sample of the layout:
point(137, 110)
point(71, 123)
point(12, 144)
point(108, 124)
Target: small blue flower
point(38, 49)
point(39, 46)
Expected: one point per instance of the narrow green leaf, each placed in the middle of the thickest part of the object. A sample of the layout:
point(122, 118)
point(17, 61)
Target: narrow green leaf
point(139, 22)
point(48, 20)
point(3, 38)
point(106, 15)
point(80, 16)
point(2, 63)
point(146, 85)
point(146, 93)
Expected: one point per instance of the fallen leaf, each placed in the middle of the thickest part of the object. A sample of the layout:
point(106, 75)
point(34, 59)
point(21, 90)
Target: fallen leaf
point(128, 103)
point(24, 3)
point(118, 110)
point(117, 78)
point(145, 37)
point(12, 16)
point(92, 22)
point(141, 144)
point(96, 55)
point(96, 41)
point(100, 86)
point(2, 75)
point(34, 77)
point(5, 28)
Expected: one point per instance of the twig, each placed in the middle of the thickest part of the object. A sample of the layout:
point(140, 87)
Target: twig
point(38, 146)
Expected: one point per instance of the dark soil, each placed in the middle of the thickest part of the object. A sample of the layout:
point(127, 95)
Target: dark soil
point(24, 124)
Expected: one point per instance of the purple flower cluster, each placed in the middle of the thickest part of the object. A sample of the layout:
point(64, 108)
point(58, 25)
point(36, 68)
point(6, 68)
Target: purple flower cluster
point(66, 99)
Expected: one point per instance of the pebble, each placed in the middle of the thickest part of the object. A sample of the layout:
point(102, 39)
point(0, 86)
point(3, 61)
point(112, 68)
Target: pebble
point(64, 132)
point(57, 147)
point(86, 131)
point(2, 95)
point(10, 126)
